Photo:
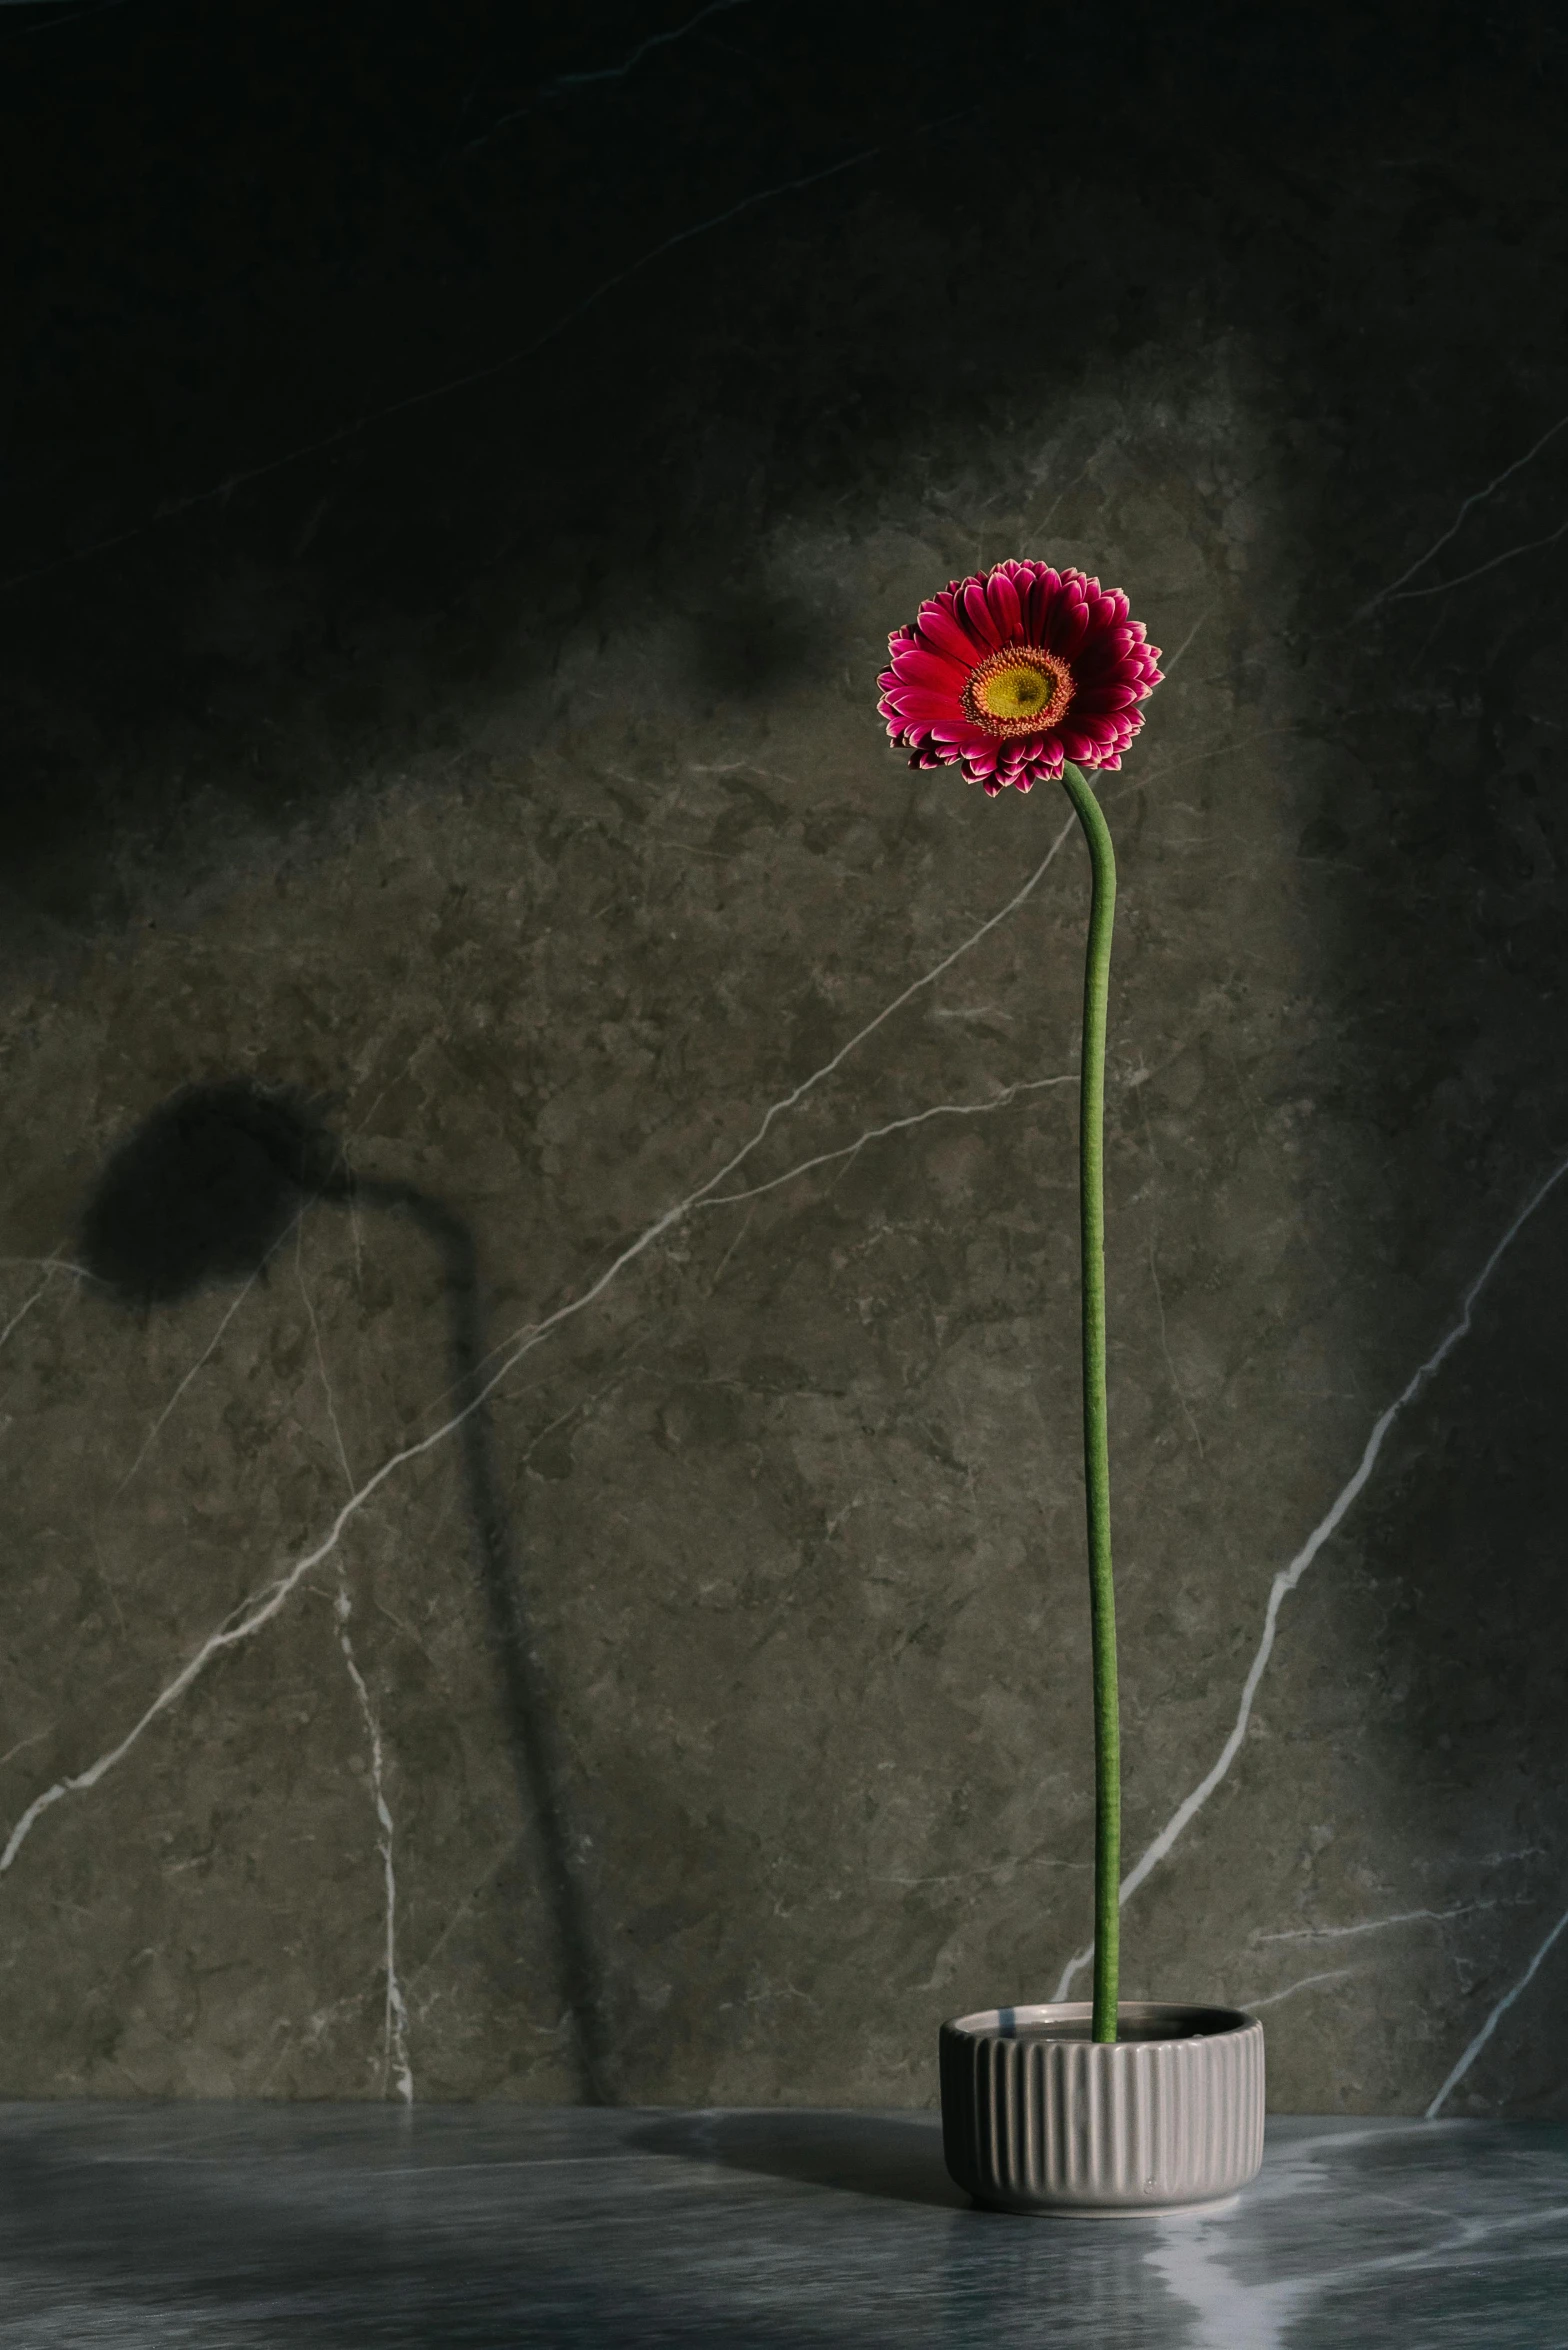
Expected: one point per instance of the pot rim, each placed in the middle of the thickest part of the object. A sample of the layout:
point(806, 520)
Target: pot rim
point(1162, 2022)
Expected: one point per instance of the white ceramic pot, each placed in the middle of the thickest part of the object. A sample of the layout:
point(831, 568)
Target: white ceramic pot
point(1036, 2116)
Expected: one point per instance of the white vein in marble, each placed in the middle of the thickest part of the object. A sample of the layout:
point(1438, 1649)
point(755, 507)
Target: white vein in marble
point(1492, 563)
point(1508, 2000)
point(1001, 1100)
point(1402, 1917)
point(1288, 1577)
point(519, 2228)
point(1398, 591)
point(564, 84)
point(25, 1308)
point(253, 1615)
point(1338, 1974)
point(397, 2069)
point(199, 1365)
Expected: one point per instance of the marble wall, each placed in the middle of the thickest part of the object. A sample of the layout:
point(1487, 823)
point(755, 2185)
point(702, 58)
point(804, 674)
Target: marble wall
point(584, 1597)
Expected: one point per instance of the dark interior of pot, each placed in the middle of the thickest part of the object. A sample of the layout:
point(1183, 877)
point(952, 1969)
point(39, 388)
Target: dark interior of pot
point(1137, 2020)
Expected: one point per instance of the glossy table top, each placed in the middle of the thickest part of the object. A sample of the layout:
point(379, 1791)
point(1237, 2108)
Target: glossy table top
point(478, 2227)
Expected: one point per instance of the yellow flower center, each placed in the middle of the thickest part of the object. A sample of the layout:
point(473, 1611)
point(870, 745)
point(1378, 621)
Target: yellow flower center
point(1019, 690)
point(1014, 693)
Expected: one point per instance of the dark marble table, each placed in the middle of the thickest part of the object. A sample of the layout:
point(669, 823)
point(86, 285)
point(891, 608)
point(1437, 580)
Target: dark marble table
point(219, 2225)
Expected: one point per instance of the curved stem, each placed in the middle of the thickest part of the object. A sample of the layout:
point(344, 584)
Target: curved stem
point(1096, 1442)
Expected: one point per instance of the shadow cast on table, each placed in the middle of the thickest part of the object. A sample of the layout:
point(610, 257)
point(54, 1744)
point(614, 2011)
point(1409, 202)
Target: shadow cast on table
point(121, 2250)
point(897, 2156)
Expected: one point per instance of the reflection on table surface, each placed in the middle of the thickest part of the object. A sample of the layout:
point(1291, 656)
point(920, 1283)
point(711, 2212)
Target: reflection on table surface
point(234, 2225)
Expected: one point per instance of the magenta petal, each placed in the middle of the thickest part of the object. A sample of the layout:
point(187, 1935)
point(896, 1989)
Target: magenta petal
point(978, 613)
point(1002, 597)
point(912, 703)
point(1064, 624)
point(931, 669)
point(1077, 630)
point(947, 637)
point(1104, 656)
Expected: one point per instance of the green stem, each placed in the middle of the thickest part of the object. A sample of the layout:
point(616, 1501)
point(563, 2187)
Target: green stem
point(1096, 1442)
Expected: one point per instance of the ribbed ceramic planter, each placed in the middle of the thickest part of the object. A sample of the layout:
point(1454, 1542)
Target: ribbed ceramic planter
point(1036, 2116)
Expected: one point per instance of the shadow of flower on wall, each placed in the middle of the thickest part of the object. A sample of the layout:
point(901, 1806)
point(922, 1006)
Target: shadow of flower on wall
point(204, 1192)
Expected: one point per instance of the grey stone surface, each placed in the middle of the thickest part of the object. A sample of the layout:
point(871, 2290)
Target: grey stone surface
point(237, 2228)
point(708, 1717)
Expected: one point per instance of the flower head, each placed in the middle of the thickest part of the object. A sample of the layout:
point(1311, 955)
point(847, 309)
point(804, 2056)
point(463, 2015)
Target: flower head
point(1009, 672)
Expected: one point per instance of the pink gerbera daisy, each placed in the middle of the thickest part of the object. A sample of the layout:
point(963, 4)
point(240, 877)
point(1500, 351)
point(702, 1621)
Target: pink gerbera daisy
point(1009, 672)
